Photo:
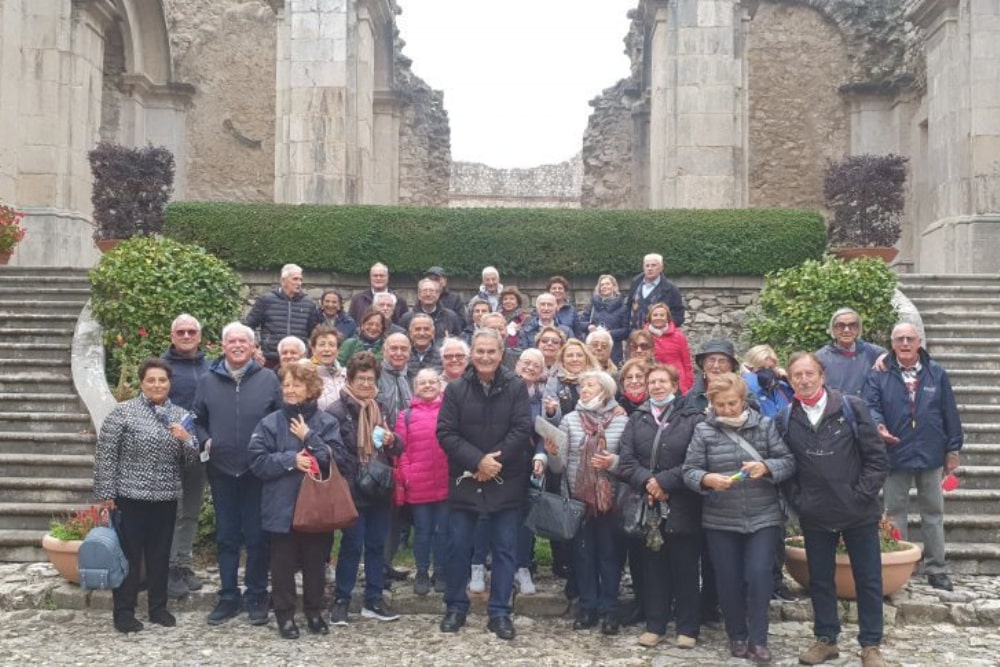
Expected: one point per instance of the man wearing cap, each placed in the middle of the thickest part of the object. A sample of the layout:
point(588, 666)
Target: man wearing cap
point(847, 358)
point(378, 279)
point(449, 300)
point(446, 321)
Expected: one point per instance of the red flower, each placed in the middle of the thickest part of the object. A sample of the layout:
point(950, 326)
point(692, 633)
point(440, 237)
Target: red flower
point(896, 535)
point(143, 333)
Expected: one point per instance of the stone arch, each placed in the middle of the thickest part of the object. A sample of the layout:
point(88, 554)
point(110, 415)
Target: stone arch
point(147, 44)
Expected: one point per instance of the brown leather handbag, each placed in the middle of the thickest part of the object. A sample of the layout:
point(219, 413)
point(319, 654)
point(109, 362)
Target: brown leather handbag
point(324, 505)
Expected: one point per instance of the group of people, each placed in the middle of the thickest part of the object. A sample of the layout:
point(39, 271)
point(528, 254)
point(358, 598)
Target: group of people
point(447, 397)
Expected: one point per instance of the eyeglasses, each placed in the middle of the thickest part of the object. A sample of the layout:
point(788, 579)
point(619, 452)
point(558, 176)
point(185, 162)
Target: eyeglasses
point(717, 361)
point(549, 341)
point(186, 332)
point(844, 326)
point(453, 357)
point(642, 346)
point(363, 380)
point(599, 346)
point(905, 339)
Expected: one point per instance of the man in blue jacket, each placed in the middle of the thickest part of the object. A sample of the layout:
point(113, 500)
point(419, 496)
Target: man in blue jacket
point(914, 409)
point(232, 397)
point(847, 358)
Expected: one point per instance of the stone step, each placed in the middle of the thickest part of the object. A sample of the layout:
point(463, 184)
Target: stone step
point(983, 314)
point(45, 490)
point(29, 279)
point(63, 307)
point(973, 557)
point(979, 414)
point(44, 294)
point(35, 382)
point(963, 528)
point(22, 546)
point(976, 394)
point(51, 352)
point(31, 365)
point(938, 343)
point(977, 377)
point(31, 334)
point(36, 320)
point(36, 402)
point(974, 454)
point(967, 501)
point(947, 284)
point(63, 466)
point(27, 442)
point(979, 477)
point(933, 304)
point(981, 433)
point(978, 360)
point(963, 330)
point(45, 422)
point(35, 516)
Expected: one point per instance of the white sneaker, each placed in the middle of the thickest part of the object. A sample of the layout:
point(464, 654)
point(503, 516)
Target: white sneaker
point(523, 580)
point(477, 583)
point(331, 573)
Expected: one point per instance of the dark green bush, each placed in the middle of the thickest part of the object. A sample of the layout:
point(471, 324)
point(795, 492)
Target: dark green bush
point(796, 304)
point(523, 242)
point(142, 285)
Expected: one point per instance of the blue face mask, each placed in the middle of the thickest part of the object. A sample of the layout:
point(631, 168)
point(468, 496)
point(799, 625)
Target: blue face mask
point(661, 404)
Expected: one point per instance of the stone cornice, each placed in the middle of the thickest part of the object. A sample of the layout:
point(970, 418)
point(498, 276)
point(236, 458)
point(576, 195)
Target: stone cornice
point(175, 95)
point(103, 11)
point(389, 101)
point(930, 14)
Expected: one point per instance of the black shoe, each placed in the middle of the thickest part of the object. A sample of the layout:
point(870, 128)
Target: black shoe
point(782, 593)
point(394, 574)
point(501, 626)
point(632, 614)
point(176, 585)
point(128, 624)
point(440, 585)
point(940, 581)
point(422, 584)
point(609, 625)
point(193, 582)
point(163, 617)
point(317, 626)
point(289, 630)
point(338, 612)
point(257, 612)
point(585, 620)
point(452, 622)
point(379, 610)
point(224, 610)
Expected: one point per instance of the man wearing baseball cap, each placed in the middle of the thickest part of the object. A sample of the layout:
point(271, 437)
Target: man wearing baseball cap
point(448, 300)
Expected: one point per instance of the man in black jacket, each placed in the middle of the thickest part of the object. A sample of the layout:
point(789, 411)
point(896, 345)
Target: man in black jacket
point(449, 300)
point(446, 322)
point(841, 465)
point(651, 287)
point(378, 281)
point(286, 311)
point(484, 428)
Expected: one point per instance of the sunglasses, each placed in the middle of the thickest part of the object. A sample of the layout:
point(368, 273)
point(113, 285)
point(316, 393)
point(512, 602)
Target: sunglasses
point(186, 332)
point(642, 346)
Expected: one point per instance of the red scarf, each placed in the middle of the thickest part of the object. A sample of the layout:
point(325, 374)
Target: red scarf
point(813, 400)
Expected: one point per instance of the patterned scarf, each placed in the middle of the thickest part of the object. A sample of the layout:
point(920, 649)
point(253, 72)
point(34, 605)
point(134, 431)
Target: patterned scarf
point(594, 486)
point(369, 417)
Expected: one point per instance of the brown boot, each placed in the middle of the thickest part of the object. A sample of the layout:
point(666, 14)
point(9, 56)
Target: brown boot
point(871, 656)
point(819, 652)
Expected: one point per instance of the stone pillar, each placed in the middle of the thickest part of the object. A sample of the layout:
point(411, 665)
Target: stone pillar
point(960, 228)
point(385, 177)
point(697, 104)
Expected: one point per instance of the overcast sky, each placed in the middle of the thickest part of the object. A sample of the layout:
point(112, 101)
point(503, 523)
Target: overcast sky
point(517, 74)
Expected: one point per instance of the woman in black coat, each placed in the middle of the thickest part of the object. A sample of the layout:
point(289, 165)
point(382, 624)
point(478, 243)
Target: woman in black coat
point(607, 310)
point(284, 446)
point(670, 573)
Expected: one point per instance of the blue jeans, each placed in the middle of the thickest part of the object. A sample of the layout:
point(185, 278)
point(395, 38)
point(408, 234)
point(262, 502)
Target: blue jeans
point(742, 564)
point(367, 535)
point(481, 539)
point(237, 523)
point(430, 536)
point(597, 564)
point(866, 565)
point(504, 528)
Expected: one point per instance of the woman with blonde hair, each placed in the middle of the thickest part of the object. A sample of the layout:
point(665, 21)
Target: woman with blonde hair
point(766, 380)
point(608, 311)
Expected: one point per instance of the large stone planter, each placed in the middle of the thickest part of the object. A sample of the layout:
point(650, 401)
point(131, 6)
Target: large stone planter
point(63, 556)
point(897, 568)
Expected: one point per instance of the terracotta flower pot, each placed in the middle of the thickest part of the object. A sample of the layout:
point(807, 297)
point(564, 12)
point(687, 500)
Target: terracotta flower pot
point(107, 244)
point(897, 568)
point(847, 254)
point(5, 256)
point(63, 556)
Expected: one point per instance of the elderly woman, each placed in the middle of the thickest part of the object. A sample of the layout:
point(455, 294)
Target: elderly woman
point(290, 350)
point(607, 311)
point(284, 446)
point(736, 460)
point(372, 330)
point(566, 313)
point(332, 305)
point(325, 343)
point(562, 390)
point(549, 342)
point(632, 385)
point(600, 344)
point(141, 452)
point(766, 380)
point(640, 346)
point(512, 309)
point(423, 472)
point(366, 438)
point(454, 359)
point(652, 454)
point(477, 308)
point(670, 345)
point(588, 459)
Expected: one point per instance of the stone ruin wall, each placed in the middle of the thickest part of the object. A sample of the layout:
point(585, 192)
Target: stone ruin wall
point(546, 186)
point(424, 141)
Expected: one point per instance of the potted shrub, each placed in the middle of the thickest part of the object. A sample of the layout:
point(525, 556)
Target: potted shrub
point(65, 536)
point(11, 231)
point(131, 189)
point(865, 193)
point(899, 558)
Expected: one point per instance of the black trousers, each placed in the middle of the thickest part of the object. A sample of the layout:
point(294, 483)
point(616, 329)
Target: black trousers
point(672, 577)
point(146, 531)
point(291, 552)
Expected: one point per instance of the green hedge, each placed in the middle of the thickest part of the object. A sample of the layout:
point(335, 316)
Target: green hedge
point(525, 242)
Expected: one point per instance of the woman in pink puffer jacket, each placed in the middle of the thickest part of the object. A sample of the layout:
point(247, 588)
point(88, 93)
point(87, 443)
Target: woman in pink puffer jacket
point(423, 473)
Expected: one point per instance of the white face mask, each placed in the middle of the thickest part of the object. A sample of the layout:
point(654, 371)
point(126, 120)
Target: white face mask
point(734, 422)
point(591, 405)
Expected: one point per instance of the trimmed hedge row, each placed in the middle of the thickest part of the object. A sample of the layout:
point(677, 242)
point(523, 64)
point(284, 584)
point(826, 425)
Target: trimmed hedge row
point(527, 242)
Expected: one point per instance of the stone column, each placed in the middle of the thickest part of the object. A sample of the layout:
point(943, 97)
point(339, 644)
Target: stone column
point(960, 228)
point(697, 104)
point(385, 177)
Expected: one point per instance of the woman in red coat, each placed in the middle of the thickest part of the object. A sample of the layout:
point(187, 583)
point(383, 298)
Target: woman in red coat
point(670, 345)
point(423, 469)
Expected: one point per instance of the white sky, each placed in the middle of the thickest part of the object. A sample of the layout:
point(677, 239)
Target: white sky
point(516, 74)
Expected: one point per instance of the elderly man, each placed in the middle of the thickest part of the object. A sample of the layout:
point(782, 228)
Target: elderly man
point(652, 287)
point(498, 323)
point(446, 322)
point(286, 311)
point(913, 404)
point(424, 352)
point(847, 358)
point(231, 398)
point(490, 290)
point(290, 350)
point(454, 359)
point(394, 391)
point(378, 280)
point(385, 303)
point(839, 473)
point(449, 300)
point(545, 316)
point(485, 430)
point(187, 364)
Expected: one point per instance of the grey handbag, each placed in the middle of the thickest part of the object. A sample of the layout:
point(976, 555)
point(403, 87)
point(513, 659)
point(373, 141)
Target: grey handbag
point(554, 516)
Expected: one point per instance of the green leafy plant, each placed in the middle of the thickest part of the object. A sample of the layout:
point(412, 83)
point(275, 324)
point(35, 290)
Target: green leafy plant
point(141, 286)
point(865, 193)
point(889, 538)
point(11, 231)
point(76, 525)
point(795, 306)
point(131, 188)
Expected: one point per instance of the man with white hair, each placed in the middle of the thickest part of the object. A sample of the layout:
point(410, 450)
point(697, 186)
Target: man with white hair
point(649, 288)
point(378, 281)
point(847, 358)
point(914, 409)
point(290, 350)
point(285, 311)
point(545, 316)
point(385, 303)
point(490, 289)
point(231, 398)
point(446, 322)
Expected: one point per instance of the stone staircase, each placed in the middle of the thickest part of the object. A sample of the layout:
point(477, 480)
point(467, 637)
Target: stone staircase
point(46, 436)
point(961, 315)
